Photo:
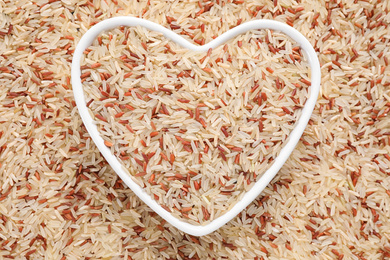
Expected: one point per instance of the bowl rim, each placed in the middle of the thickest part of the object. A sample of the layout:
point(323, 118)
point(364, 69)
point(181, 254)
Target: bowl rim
point(249, 196)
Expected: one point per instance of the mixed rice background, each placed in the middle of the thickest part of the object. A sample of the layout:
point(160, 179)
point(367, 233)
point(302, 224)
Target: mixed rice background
point(60, 200)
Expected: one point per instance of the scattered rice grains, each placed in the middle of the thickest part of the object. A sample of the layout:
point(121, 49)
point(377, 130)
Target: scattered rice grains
point(59, 199)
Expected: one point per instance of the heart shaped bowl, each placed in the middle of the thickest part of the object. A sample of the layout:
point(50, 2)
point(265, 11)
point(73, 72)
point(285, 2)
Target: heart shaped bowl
point(285, 152)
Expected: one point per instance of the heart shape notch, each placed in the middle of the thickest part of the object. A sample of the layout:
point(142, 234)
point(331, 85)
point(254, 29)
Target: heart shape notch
point(285, 152)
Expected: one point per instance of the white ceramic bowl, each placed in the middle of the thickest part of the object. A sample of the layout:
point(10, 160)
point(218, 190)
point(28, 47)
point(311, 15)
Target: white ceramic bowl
point(293, 139)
